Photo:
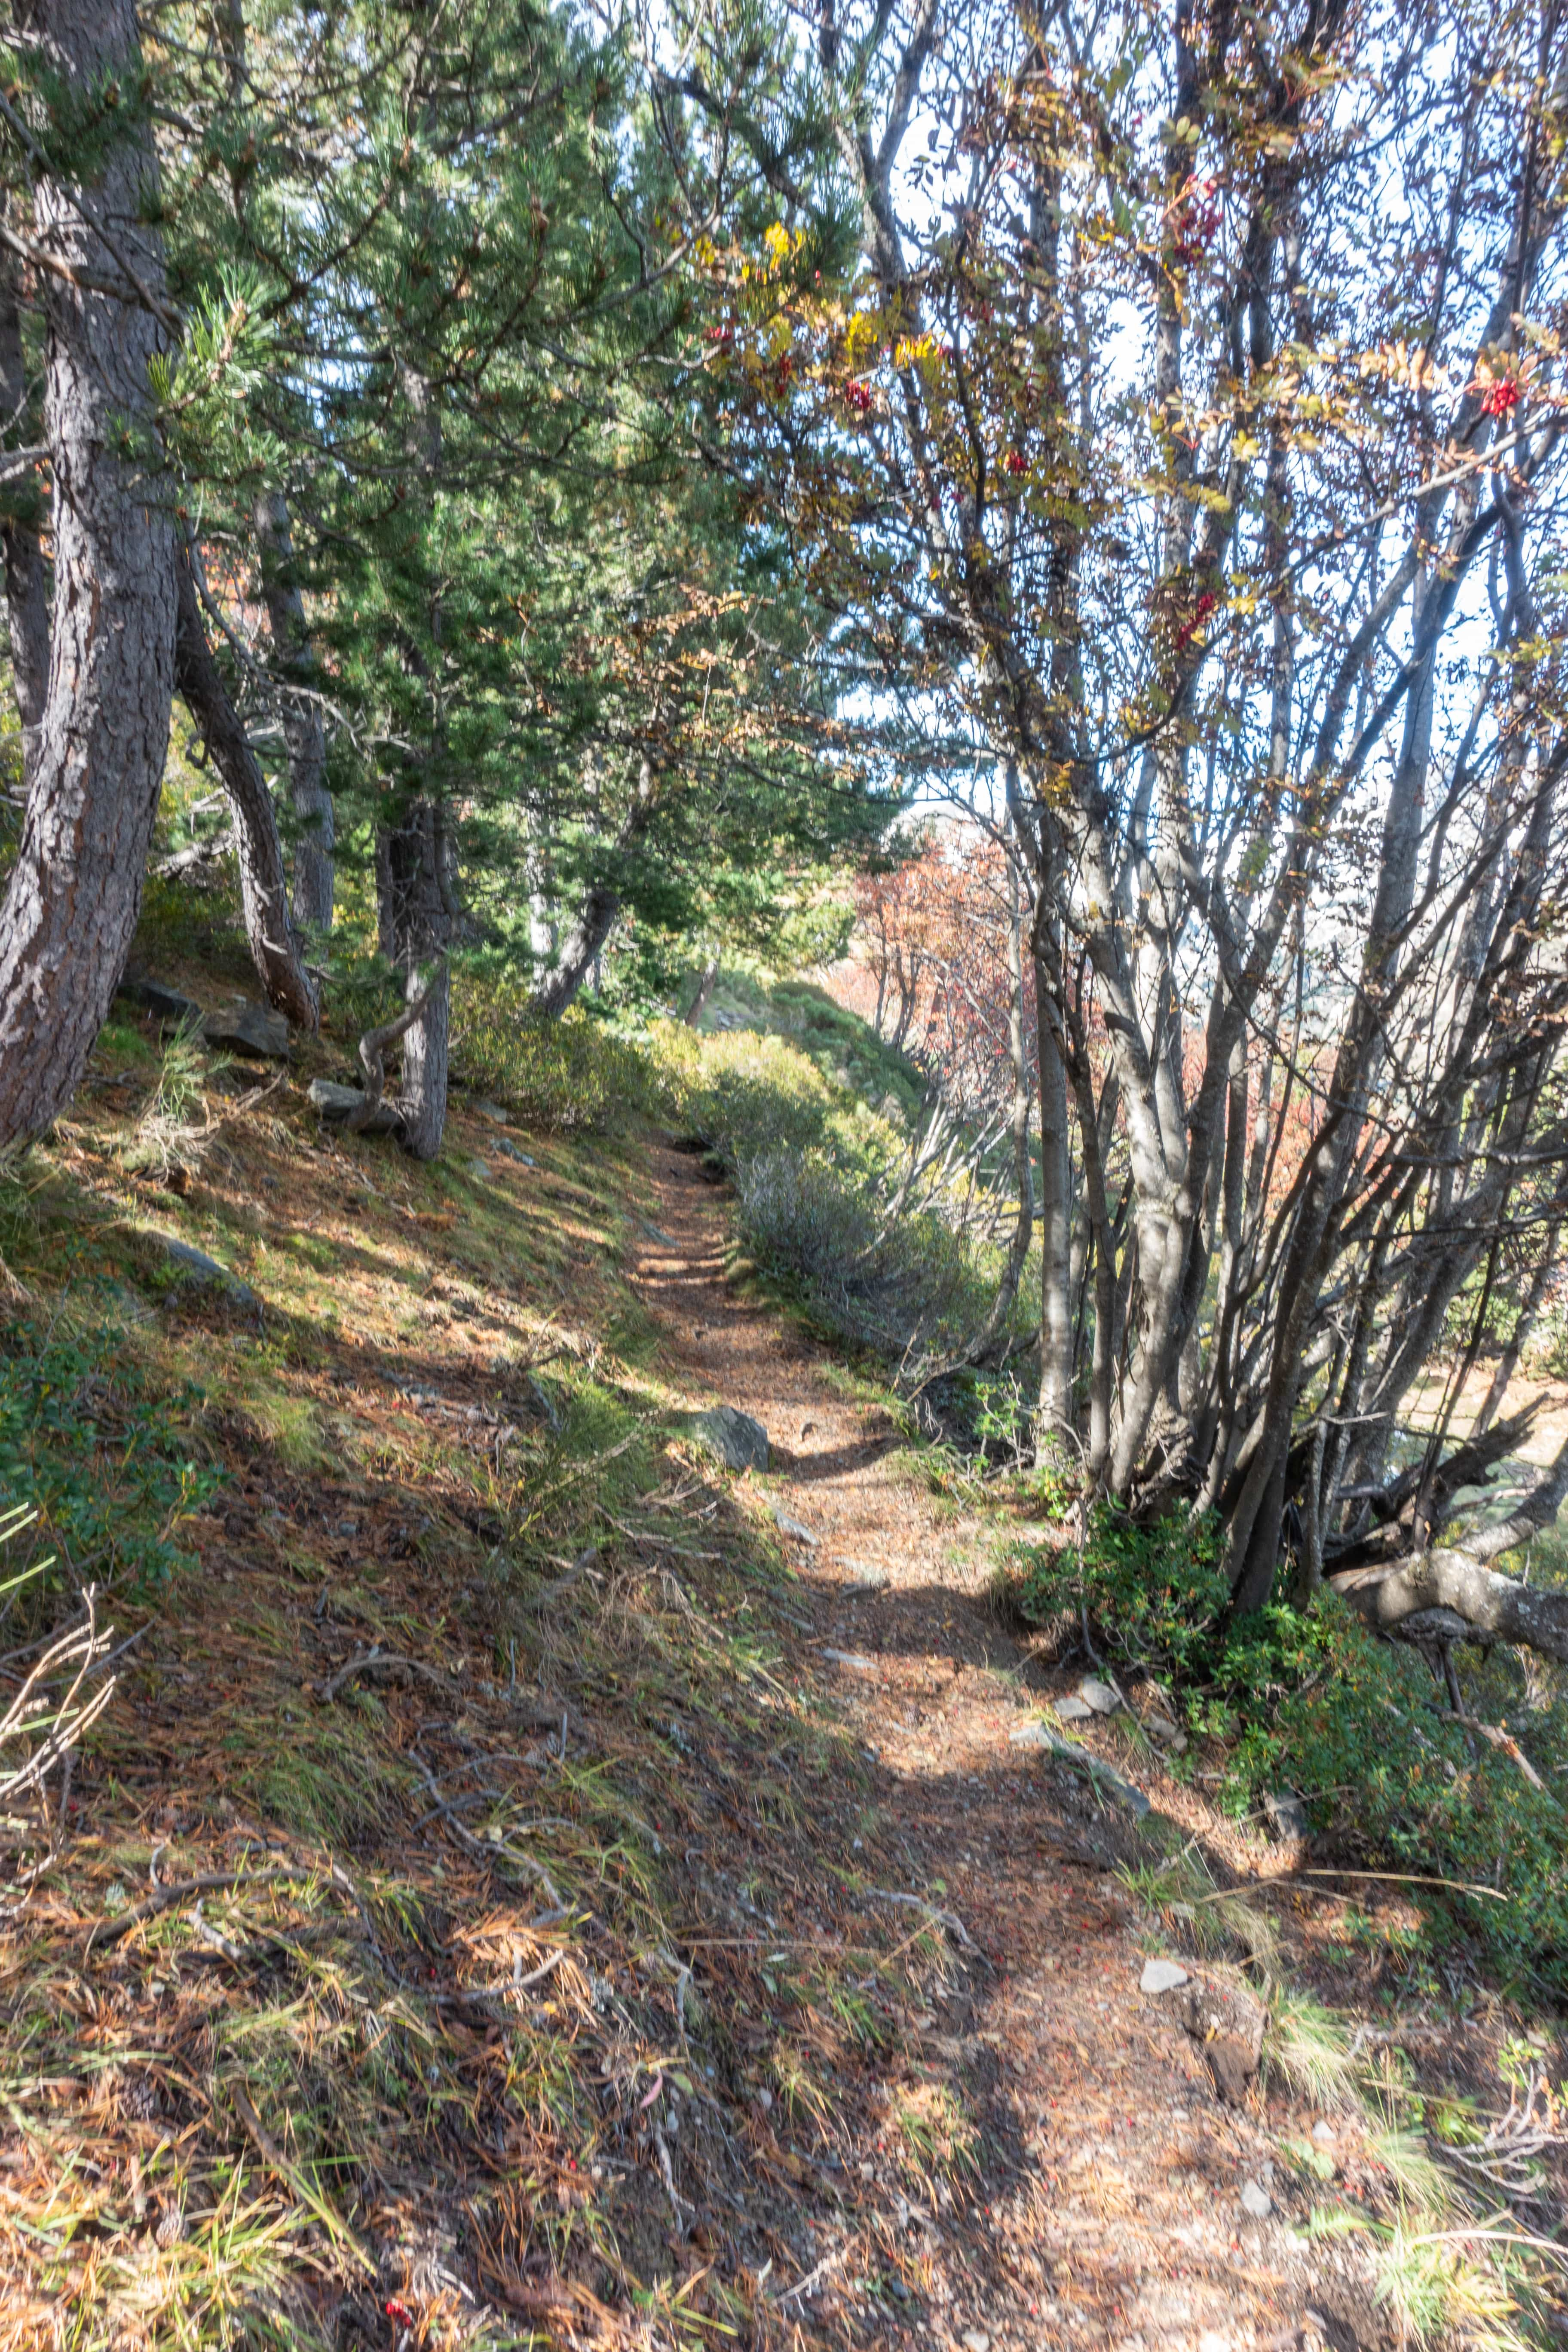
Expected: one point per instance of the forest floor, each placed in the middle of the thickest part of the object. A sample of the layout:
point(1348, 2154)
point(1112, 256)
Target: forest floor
point(526, 1891)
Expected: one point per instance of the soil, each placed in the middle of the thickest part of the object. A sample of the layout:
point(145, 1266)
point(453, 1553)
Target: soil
point(1104, 2205)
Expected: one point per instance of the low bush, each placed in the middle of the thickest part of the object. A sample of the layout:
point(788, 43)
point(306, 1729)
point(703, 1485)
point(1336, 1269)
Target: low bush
point(570, 1076)
point(815, 1173)
point(1310, 1699)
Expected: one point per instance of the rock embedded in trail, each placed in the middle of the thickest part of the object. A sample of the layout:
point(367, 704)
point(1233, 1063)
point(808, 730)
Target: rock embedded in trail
point(1256, 2200)
point(788, 1527)
point(1073, 1709)
point(1035, 1735)
point(1227, 2025)
point(733, 1437)
point(1162, 1976)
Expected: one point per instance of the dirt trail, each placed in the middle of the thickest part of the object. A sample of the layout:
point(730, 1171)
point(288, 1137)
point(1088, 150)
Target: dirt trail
point(1110, 2209)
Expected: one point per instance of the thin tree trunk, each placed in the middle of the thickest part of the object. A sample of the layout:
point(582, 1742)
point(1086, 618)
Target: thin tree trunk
point(1055, 1202)
point(601, 906)
point(1524, 1324)
point(275, 945)
point(994, 1336)
point(27, 585)
point(705, 987)
point(413, 860)
point(304, 733)
point(75, 892)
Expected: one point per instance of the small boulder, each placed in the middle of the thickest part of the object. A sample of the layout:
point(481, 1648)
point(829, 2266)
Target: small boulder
point(1100, 1695)
point(1227, 2024)
point(731, 1436)
point(1287, 1814)
point(334, 1104)
point(512, 1152)
point(243, 1027)
point(788, 1527)
point(1256, 2200)
point(493, 1112)
point(1073, 1709)
point(1162, 1976)
point(196, 1271)
point(154, 996)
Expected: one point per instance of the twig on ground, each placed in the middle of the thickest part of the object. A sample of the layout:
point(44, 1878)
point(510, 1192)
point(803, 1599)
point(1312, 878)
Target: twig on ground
point(920, 1903)
point(381, 1662)
point(174, 1890)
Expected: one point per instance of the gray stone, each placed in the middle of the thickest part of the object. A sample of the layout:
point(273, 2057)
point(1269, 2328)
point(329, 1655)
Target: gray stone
point(512, 1152)
point(1099, 1695)
point(248, 1028)
point(153, 996)
point(1162, 1976)
point(493, 1112)
point(788, 1527)
point(1035, 1735)
point(334, 1103)
point(1323, 2132)
point(875, 1580)
point(481, 1171)
point(1256, 2200)
point(1073, 1709)
point(1287, 1814)
point(733, 1437)
point(200, 1272)
point(852, 1659)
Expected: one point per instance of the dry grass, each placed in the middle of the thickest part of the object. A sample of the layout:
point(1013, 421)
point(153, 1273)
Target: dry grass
point(401, 1968)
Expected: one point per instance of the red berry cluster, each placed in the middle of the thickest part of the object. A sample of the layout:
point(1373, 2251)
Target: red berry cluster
point(1200, 614)
point(858, 396)
point(1501, 398)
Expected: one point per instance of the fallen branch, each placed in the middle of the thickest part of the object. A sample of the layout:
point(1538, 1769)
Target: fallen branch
point(213, 1882)
point(379, 1662)
point(932, 1911)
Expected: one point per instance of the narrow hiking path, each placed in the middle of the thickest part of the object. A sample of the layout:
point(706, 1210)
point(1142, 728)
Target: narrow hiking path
point(1106, 2205)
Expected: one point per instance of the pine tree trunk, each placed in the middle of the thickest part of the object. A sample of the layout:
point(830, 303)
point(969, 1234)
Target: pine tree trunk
point(75, 892)
point(275, 945)
point(415, 889)
point(304, 733)
point(26, 586)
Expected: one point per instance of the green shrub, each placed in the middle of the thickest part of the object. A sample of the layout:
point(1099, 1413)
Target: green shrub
point(1311, 1699)
point(815, 1172)
point(569, 1076)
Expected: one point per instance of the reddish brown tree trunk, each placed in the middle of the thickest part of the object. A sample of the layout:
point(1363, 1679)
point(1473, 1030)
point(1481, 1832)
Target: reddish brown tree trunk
point(75, 889)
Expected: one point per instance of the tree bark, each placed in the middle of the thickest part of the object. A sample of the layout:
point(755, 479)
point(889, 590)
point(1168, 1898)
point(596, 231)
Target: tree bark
point(304, 732)
point(274, 944)
point(705, 987)
point(75, 892)
point(1056, 1410)
point(415, 889)
point(26, 584)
